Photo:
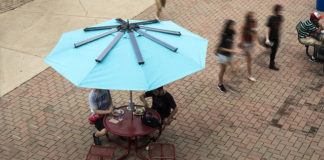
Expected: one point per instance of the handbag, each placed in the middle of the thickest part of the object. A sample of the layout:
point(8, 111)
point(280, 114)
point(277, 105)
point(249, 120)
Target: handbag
point(93, 118)
point(148, 120)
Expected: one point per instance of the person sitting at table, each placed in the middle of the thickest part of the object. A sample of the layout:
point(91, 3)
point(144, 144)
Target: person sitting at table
point(162, 102)
point(100, 104)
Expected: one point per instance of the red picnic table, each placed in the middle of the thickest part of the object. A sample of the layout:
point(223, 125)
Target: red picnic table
point(130, 129)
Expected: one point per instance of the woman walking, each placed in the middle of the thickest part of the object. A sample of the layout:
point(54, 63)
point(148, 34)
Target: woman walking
point(249, 35)
point(225, 51)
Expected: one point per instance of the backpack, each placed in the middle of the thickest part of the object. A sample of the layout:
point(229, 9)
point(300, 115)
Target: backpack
point(148, 120)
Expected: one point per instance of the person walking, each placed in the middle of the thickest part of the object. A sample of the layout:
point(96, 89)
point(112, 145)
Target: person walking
point(249, 35)
point(225, 51)
point(100, 104)
point(272, 34)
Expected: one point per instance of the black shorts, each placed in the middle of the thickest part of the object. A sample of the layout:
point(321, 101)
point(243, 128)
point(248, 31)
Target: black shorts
point(99, 124)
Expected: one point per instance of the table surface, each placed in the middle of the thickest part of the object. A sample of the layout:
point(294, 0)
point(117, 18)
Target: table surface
point(128, 127)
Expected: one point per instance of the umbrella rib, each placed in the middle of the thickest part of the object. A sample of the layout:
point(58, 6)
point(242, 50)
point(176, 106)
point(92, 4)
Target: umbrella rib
point(172, 48)
point(135, 47)
point(110, 46)
point(121, 21)
point(78, 44)
point(100, 28)
point(161, 30)
point(145, 22)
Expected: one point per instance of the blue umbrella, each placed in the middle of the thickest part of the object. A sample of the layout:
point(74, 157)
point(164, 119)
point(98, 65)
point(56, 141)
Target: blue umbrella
point(134, 55)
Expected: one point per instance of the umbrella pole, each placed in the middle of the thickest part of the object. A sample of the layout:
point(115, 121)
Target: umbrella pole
point(131, 103)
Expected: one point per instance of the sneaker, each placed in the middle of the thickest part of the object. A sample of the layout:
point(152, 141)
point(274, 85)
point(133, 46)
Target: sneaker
point(221, 88)
point(274, 68)
point(96, 139)
point(312, 59)
point(252, 79)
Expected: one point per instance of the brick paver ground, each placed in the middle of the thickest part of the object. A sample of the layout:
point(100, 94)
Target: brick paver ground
point(7, 5)
point(279, 117)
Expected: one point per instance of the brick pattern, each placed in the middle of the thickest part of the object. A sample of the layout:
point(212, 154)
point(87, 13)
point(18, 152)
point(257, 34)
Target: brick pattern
point(7, 5)
point(279, 117)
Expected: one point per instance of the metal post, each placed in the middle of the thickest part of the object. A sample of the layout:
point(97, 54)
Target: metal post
point(131, 103)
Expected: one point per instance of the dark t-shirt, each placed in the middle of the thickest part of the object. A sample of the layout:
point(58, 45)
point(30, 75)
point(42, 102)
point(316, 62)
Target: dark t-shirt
point(162, 104)
point(274, 23)
point(227, 42)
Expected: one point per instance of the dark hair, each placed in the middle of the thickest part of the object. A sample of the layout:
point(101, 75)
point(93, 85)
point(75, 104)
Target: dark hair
point(160, 88)
point(277, 8)
point(227, 29)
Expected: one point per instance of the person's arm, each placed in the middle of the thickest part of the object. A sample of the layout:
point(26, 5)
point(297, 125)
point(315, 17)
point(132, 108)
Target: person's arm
point(225, 45)
point(228, 50)
point(268, 25)
point(97, 111)
point(267, 35)
point(174, 110)
point(169, 119)
point(111, 102)
point(142, 98)
point(256, 36)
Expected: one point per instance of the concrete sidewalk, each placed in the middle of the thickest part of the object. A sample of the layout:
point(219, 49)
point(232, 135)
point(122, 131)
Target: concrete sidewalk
point(28, 33)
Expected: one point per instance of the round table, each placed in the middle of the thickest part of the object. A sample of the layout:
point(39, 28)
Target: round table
point(130, 128)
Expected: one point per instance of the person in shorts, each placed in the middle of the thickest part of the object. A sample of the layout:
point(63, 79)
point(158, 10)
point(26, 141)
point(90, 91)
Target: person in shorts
point(249, 36)
point(225, 51)
point(100, 104)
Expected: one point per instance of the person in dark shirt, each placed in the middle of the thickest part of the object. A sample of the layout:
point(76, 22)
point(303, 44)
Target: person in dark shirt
point(162, 102)
point(273, 32)
point(225, 51)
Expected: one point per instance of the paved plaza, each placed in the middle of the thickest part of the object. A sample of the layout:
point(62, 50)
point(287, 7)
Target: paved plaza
point(281, 116)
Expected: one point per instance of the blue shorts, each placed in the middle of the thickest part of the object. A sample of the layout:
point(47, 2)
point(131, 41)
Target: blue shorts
point(224, 59)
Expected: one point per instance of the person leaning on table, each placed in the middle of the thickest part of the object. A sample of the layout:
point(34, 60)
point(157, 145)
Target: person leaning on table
point(100, 104)
point(162, 102)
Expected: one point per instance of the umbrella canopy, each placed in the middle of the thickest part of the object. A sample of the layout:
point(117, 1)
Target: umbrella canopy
point(121, 68)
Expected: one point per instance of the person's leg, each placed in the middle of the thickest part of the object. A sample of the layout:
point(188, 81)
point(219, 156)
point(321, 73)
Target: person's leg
point(99, 132)
point(222, 61)
point(221, 74)
point(249, 65)
point(274, 50)
point(249, 62)
point(159, 9)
